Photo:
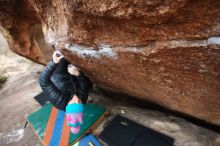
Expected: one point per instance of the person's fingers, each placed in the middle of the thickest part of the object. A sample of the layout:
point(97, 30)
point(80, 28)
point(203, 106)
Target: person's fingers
point(72, 69)
point(75, 68)
point(60, 57)
point(72, 66)
point(79, 100)
point(74, 99)
point(54, 54)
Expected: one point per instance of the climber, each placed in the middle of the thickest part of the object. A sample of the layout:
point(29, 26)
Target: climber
point(66, 88)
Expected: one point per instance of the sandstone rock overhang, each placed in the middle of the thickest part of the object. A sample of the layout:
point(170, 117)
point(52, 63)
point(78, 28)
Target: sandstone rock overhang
point(167, 52)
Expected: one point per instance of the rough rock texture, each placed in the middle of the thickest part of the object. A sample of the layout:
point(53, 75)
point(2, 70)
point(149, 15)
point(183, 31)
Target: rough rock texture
point(21, 26)
point(166, 52)
point(17, 102)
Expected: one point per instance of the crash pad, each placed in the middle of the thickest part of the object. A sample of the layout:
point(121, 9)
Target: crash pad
point(50, 124)
point(88, 140)
point(122, 131)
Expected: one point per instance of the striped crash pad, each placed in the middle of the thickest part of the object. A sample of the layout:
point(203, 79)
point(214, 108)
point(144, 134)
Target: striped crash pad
point(50, 124)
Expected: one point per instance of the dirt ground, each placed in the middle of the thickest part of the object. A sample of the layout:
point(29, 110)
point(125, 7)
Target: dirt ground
point(17, 102)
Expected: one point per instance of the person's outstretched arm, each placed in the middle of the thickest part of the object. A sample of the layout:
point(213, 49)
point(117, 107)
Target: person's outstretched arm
point(83, 88)
point(44, 79)
point(53, 94)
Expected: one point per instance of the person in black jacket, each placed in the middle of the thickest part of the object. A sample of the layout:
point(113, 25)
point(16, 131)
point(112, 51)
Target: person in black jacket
point(61, 81)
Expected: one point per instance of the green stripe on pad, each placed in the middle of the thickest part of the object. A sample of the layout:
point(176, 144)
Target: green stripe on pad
point(39, 119)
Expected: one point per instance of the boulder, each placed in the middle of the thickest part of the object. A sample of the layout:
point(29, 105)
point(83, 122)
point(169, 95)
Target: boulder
point(165, 52)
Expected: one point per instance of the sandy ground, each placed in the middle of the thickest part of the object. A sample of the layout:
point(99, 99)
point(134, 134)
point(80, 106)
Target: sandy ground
point(16, 103)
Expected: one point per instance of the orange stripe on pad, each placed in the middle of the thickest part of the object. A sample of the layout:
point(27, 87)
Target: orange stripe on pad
point(65, 134)
point(50, 126)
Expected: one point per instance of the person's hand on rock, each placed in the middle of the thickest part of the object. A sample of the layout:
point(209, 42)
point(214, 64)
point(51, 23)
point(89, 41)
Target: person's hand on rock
point(57, 56)
point(73, 70)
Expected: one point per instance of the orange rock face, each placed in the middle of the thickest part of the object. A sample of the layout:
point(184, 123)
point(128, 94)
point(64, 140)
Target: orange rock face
point(21, 26)
point(167, 52)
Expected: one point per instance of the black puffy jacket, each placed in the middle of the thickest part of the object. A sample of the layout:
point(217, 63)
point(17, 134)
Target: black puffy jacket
point(60, 98)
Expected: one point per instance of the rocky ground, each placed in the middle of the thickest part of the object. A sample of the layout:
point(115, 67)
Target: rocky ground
point(16, 102)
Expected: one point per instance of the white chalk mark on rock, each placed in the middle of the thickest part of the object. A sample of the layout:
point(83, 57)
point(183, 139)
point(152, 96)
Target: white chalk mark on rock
point(111, 52)
point(104, 50)
point(214, 41)
point(14, 136)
